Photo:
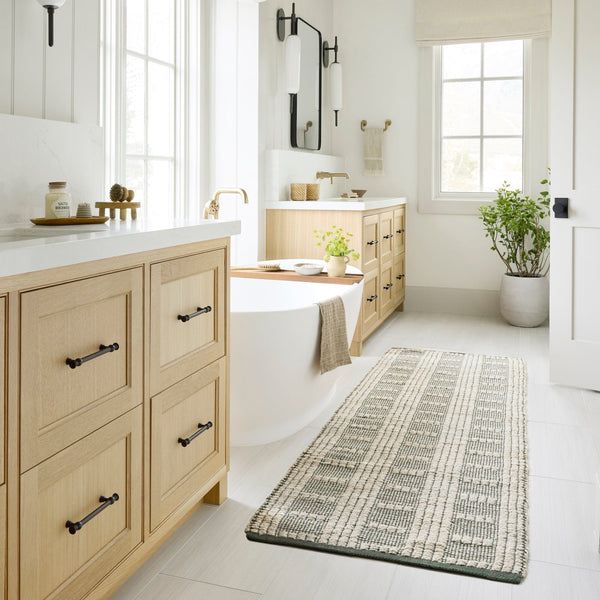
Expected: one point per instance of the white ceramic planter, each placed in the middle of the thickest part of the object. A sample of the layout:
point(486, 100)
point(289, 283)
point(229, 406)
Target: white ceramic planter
point(336, 266)
point(524, 301)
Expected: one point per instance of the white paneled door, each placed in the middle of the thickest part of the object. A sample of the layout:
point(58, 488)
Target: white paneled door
point(575, 254)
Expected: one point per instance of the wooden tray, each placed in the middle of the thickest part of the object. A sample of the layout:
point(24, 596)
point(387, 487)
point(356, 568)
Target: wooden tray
point(293, 276)
point(70, 221)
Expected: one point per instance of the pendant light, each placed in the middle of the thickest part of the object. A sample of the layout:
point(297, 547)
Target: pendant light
point(336, 91)
point(293, 50)
point(51, 6)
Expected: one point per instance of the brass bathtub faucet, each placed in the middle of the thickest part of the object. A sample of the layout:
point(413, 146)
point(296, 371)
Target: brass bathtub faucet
point(211, 208)
point(330, 176)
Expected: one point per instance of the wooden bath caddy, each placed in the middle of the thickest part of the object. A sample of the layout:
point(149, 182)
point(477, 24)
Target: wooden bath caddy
point(122, 207)
point(249, 273)
point(70, 221)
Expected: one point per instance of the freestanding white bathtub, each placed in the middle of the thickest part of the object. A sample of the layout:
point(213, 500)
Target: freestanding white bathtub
point(276, 384)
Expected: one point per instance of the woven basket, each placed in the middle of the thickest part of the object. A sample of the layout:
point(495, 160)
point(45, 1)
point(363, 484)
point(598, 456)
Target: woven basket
point(298, 191)
point(313, 191)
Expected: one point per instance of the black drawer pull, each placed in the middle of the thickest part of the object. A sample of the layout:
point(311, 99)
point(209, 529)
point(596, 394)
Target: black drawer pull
point(388, 237)
point(77, 362)
point(373, 243)
point(185, 442)
point(199, 311)
point(399, 277)
point(106, 502)
point(372, 298)
point(389, 286)
point(400, 231)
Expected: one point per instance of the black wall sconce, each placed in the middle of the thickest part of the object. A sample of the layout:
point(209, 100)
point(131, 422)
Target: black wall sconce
point(51, 6)
point(335, 77)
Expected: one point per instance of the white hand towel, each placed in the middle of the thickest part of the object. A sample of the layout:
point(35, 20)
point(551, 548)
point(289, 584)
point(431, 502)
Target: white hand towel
point(374, 152)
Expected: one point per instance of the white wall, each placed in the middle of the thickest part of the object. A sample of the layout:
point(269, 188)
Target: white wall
point(60, 83)
point(380, 62)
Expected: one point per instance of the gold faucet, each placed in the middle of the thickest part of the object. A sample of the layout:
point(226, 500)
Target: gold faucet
point(330, 176)
point(211, 208)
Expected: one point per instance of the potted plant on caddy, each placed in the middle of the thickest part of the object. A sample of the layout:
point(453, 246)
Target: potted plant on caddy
point(516, 225)
point(338, 253)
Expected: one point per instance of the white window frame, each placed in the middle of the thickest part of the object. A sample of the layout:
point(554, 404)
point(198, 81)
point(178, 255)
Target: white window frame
point(430, 199)
point(191, 65)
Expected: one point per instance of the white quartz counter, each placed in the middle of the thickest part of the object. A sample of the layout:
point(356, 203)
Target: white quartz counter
point(27, 248)
point(355, 204)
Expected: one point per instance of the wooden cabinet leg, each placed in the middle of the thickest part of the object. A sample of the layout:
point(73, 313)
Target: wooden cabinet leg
point(400, 307)
point(218, 494)
point(356, 348)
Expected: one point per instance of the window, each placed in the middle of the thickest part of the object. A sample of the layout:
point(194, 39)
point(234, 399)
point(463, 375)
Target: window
point(480, 117)
point(154, 65)
point(151, 65)
point(482, 121)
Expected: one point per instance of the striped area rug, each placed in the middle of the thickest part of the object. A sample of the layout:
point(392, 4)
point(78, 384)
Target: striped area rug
point(424, 464)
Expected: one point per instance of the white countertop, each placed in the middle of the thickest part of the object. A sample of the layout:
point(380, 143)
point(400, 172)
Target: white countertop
point(356, 204)
point(28, 248)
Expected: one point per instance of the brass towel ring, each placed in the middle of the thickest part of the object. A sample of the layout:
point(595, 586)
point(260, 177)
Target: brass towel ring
point(388, 124)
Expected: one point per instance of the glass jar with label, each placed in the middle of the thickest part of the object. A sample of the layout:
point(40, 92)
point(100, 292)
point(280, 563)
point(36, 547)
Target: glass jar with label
point(58, 200)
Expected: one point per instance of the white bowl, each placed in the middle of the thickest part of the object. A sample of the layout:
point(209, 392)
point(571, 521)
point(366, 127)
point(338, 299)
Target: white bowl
point(308, 268)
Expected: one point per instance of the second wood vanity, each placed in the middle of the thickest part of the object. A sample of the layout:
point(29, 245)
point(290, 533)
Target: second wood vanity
point(378, 227)
point(114, 426)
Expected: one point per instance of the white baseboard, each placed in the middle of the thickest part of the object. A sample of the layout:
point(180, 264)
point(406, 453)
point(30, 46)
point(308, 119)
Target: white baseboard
point(480, 303)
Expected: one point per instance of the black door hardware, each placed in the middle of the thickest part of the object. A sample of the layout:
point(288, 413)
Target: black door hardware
point(74, 527)
point(199, 311)
point(561, 208)
point(373, 243)
point(372, 298)
point(400, 231)
point(185, 442)
point(399, 277)
point(388, 237)
point(77, 362)
point(389, 286)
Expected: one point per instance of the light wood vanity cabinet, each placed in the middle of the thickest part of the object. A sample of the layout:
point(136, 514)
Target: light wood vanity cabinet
point(188, 436)
point(97, 322)
point(108, 392)
point(101, 471)
point(380, 237)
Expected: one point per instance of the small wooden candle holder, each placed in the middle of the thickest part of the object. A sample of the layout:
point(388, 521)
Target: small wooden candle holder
point(122, 207)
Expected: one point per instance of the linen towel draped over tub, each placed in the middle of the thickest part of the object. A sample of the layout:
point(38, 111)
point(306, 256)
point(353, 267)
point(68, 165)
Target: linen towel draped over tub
point(334, 336)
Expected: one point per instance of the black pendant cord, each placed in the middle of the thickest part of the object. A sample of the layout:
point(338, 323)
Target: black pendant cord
point(50, 10)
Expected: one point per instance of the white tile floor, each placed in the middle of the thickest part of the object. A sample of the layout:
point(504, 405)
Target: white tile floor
point(209, 558)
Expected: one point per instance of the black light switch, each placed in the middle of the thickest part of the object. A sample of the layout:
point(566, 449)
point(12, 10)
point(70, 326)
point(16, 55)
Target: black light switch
point(561, 208)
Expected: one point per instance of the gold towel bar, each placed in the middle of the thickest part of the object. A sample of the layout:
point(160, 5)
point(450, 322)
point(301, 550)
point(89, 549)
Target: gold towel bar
point(388, 124)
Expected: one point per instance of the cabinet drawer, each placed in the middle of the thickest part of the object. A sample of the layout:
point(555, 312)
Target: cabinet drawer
point(3, 364)
point(386, 293)
point(2, 542)
point(61, 403)
point(181, 340)
point(188, 430)
point(399, 231)
point(370, 249)
point(386, 229)
point(371, 302)
point(399, 280)
point(68, 488)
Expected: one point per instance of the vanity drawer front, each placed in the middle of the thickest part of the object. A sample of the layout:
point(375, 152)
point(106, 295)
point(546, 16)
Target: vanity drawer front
point(370, 249)
point(399, 231)
point(67, 487)
point(60, 402)
point(386, 230)
point(188, 432)
point(181, 340)
point(386, 293)
point(371, 302)
point(399, 280)
point(3, 363)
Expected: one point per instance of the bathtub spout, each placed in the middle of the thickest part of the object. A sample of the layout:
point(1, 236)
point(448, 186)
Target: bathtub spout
point(211, 209)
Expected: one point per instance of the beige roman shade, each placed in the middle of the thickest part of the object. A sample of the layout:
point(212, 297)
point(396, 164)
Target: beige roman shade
point(460, 21)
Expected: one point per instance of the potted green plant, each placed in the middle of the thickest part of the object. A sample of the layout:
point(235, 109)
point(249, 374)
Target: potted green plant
point(336, 243)
point(516, 224)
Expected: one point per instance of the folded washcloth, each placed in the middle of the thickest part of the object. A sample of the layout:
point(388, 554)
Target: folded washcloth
point(334, 336)
point(374, 151)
